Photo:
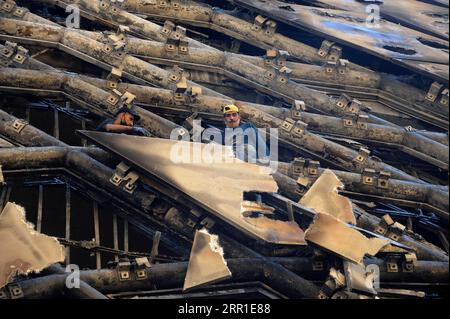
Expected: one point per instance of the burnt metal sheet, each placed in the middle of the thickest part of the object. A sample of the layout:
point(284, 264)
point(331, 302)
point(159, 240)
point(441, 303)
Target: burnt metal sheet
point(23, 250)
point(323, 197)
point(337, 237)
point(217, 186)
point(358, 278)
point(417, 15)
point(390, 41)
point(207, 264)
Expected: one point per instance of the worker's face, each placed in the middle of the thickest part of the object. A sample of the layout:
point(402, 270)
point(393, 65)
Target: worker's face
point(126, 119)
point(232, 120)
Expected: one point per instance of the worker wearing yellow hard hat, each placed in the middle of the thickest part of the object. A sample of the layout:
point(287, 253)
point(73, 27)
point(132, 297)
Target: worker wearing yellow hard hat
point(231, 116)
point(245, 134)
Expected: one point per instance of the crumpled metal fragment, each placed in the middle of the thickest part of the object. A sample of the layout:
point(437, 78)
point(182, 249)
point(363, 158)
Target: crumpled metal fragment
point(207, 264)
point(23, 250)
point(335, 236)
point(359, 279)
point(323, 197)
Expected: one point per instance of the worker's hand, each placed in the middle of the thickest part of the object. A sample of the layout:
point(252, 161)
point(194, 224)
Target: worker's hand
point(140, 131)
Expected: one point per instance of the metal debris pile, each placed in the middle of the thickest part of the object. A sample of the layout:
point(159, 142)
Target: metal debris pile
point(357, 207)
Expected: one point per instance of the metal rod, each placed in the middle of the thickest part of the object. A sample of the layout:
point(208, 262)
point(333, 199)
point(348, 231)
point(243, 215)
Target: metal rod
point(97, 235)
point(155, 246)
point(115, 236)
point(56, 123)
point(39, 211)
point(125, 236)
point(68, 220)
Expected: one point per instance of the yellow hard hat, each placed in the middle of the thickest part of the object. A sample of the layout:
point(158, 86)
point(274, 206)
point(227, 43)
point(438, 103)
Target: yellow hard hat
point(231, 108)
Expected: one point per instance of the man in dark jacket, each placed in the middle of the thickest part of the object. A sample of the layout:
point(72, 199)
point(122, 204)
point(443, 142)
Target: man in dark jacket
point(124, 122)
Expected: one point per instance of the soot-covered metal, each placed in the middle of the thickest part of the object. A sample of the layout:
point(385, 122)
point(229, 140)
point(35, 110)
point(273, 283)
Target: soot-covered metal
point(116, 167)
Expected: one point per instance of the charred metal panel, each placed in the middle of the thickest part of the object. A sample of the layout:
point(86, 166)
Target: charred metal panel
point(335, 236)
point(23, 250)
point(323, 197)
point(207, 264)
point(218, 185)
point(390, 41)
point(417, 15)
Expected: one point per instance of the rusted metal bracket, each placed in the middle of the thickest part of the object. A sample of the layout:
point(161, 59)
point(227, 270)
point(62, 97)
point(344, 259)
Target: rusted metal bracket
point(142, 264)
point(294, 128)
point(176, 41)
point(275, 57)
point(297, 108)
point(122, 174)
point(444, 98)
point(438, 94)
point(118, 99)
point(368, 176)
point(181, 88)
point(301, 167)
point(359, 120)
point(405, 262)
point(115, 46)
point(383, 180)
point(172, 31)
point(18, 125)
point(176, 74)
point(10, 9)
point(113, 79)
point(15, 291)
point(340, 67)
point(264, 24)
point(281, 75)
point(131, 180)
point(124, 270)
point(121, 170)
point(165, 4)
point(388, 228)
point(349, 105)
point(13, 53)
point(113, 101)
point(363, 156)
point(330, 51)
point(434, 91)
point(409, 263)
point(371, 178)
